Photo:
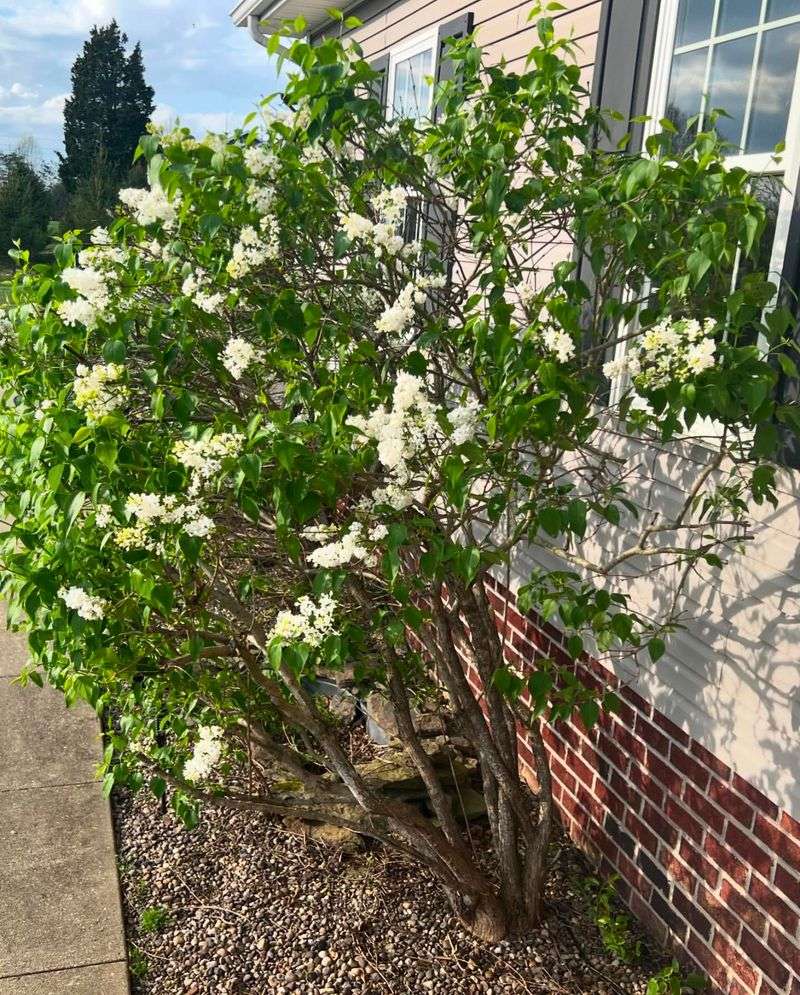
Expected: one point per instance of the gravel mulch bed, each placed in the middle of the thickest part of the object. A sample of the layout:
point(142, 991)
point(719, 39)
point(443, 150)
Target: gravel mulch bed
point(244, 906)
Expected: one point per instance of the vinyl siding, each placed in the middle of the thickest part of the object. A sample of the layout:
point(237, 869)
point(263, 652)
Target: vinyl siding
point(731, 678)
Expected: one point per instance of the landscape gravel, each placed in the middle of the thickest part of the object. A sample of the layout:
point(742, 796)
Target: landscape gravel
point(245, 906)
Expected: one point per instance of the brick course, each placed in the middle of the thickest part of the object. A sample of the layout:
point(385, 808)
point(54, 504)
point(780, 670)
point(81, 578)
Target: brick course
point(706, 860)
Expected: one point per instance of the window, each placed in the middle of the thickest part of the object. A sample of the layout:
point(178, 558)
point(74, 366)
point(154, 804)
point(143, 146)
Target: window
point(411, 68)
point(741, 56)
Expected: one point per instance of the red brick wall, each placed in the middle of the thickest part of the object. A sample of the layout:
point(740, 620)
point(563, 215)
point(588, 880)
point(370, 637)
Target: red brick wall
point(705, 860)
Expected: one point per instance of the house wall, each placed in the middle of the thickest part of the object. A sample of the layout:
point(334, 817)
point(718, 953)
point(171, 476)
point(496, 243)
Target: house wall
point(691, 793)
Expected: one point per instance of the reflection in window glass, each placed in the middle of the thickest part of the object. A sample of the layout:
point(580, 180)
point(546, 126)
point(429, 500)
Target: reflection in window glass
point(412, 91)
point(730, 79)
point(774, 84)
point(694, 21)
point(686, 87)
point(768, 189)
point(782, 8)
point(737, 14)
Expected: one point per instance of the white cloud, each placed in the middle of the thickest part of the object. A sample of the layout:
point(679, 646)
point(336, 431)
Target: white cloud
point(47, 112)
point(198, 122)
point(64, 17)
point(17, 91)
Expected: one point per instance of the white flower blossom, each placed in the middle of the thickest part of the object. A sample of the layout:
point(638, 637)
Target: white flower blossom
point(260, 197)
point(672, 349)
point(557, 341)
point(260, 160)
point(151, 206)
point(200, 527)
point(356, 225)
point(194, 286)
point(254, 248)
point(91, 286)
point(97, 389)
point(238, 354)
point(336, 554)
point(309, 623)
point(203, 457)
point(206, 754)
point(6, 329)
point(87, 606)
point(103, 516)
point(150, 511)
point(464, 420)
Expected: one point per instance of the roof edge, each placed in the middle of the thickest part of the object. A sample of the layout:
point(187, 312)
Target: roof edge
point(246, 8)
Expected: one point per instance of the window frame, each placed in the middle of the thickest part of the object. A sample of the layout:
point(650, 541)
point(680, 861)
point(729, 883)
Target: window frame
point(424, 41)
point(788, 166)
point(762, 163)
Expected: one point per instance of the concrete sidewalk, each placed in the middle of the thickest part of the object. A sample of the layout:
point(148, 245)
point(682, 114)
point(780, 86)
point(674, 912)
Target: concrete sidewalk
point(60, 921)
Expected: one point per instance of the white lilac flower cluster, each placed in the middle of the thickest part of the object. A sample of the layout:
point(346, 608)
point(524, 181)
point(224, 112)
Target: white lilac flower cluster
point(203, 457)
point(101, 252)
point(671, 350)
point(150, 511)
point(398, 317)
point(6, 328)
point(97, 389)
point(151, 206)
point(260, 196)
point(205, 755)
point(195, 287)
point(350, 547)
point(238, 354)
point(336, 554)
point(254, 248)
point(526, 292)
point(260, 160)
point(559, 342)
point(310, 623)
point(389, 205)
point(103, 515)
point(88, 606)
point(91, 286)
point(464, 419)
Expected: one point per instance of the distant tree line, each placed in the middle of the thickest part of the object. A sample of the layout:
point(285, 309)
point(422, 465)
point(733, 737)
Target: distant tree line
point(104, 117)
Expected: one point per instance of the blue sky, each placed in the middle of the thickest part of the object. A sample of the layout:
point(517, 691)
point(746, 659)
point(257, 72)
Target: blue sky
point(202, 68)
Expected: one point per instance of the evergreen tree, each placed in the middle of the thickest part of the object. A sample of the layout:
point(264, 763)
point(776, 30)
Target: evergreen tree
point(108, 109)
point(24, 206)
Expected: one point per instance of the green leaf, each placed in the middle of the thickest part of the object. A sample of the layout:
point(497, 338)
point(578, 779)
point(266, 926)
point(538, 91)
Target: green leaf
point(590, 713)
point(656, 649)
point(162, 597)
point(54, 475)
point(114, 351)
point(642, 174)
point(75, 506)
point(697, 264)
point(107, 453)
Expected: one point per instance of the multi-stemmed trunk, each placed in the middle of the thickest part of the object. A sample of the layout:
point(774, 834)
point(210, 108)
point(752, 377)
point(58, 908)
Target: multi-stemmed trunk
point(492, 897)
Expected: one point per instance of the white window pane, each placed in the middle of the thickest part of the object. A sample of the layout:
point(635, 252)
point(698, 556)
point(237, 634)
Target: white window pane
point(686, 87)
point(412, 91)
point(731, 65)
point(694, 21)
point(734, 15)
point(782, 8)
point(774, 85)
